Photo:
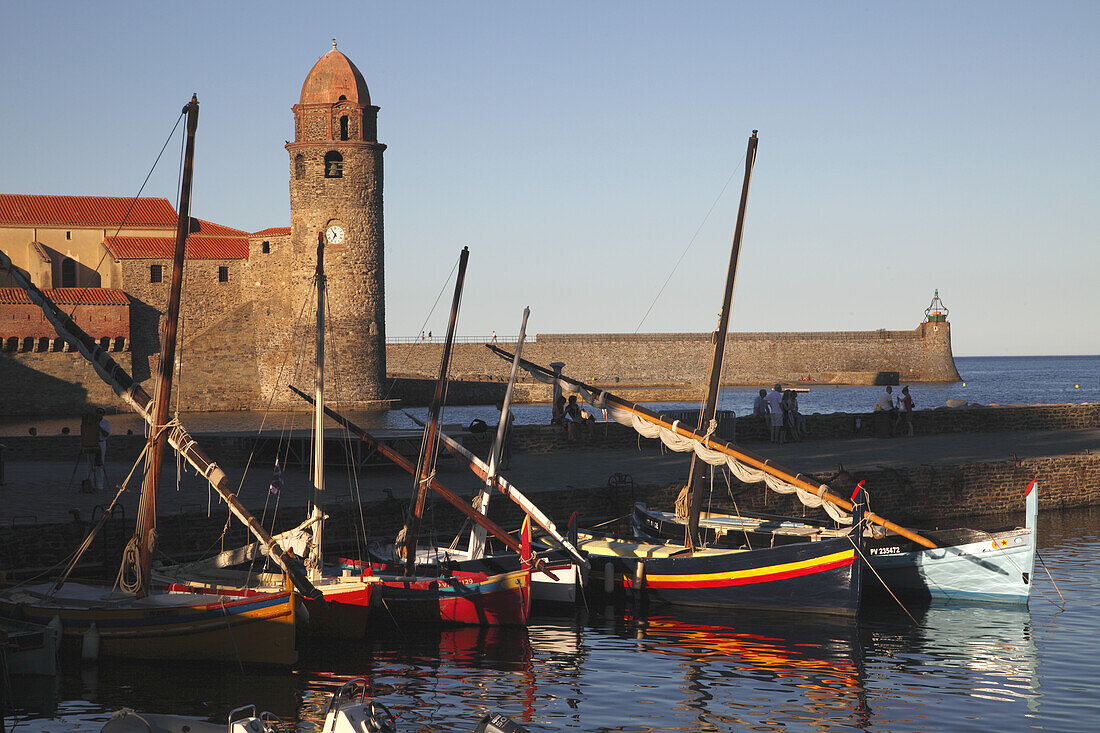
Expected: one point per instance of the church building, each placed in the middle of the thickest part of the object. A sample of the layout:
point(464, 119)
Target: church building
point(244, 328)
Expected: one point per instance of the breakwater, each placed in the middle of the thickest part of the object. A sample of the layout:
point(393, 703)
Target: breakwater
point(659, 367)
point(220, 370)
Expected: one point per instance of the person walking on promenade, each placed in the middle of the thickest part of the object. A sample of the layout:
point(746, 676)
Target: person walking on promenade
point(907, 410)
point(494, 337)
point(886, 414)
point(775, 409)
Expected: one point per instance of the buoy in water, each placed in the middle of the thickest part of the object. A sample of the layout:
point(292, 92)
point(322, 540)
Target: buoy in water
point(89, 649)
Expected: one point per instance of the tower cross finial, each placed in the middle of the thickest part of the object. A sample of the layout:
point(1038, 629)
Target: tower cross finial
point(333, 44)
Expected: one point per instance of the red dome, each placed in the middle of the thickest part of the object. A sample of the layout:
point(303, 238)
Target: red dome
point(332, 77)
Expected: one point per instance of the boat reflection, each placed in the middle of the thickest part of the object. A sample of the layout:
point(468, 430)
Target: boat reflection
point(987, 652)
point(469, 669)
point(725, 656)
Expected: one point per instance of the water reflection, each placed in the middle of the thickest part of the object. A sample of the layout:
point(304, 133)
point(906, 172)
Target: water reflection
point(949, 668)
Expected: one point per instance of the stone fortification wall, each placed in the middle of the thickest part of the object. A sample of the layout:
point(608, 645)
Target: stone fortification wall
point(52, 383)
point(682, 360)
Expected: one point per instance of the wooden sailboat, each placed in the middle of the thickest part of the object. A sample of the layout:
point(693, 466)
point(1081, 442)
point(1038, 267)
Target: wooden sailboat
point(568, 566)
point(133, 619)
point(344, 605)
point(457, 597)
point(815, 577)
point(968, 565)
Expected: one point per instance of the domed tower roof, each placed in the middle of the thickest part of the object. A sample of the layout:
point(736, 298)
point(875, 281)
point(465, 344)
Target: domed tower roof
point(332, 78)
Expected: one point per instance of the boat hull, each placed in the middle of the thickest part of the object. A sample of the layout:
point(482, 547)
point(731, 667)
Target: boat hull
point(968, 565)
point(813, 577)
point(29, 649)
point(165, 626)
point(996, 569)
point(344, 612)
point(474, 599)
point(561, 589)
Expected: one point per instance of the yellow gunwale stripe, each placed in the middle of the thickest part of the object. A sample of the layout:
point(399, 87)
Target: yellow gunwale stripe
point(754, 572)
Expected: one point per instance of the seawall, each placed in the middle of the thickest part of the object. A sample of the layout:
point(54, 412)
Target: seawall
point(672, 366)
point(220, 369)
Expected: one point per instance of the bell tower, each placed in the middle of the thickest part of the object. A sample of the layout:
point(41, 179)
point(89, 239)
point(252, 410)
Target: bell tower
point(336, 189)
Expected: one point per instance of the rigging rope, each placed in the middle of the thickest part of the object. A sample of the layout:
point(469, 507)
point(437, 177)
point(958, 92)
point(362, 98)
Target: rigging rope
point(134, 200)
point(690, 242)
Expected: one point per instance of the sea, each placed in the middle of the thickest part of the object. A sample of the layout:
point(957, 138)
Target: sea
point(944, 667)
point(986, 380)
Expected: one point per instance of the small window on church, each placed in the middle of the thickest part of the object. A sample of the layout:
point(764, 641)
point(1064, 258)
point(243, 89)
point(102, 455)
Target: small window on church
point(223, 274)
point(266, 248)
point(334, 165)
point(68, 273)
point(299, 166)
point(344, 127)
point(68, 235)
point(154, 273)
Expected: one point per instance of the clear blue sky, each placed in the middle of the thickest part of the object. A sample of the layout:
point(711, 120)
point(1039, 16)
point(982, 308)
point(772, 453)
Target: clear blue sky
point(577, 147)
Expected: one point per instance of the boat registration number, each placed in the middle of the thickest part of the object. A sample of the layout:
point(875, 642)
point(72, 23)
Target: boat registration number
point(884, 550)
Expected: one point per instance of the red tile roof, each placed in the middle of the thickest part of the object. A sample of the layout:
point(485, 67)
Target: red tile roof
point(273, 232)
point(201, 226)
point(67, 296)
point(24, 209)
point(199, 247)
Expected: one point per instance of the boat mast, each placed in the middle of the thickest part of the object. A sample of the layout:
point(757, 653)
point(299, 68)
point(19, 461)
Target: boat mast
point(751, 460)
point(315, 562)
point(428, 446)
point(145, 532)
point(130, 392)
point(481, 501)
point(710, 406)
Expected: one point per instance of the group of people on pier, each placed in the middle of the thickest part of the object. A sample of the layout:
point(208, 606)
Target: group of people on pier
point(778, 409)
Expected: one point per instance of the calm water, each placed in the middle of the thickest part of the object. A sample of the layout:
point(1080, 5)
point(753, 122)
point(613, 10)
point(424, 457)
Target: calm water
point(1005, 380)
point(957, 668)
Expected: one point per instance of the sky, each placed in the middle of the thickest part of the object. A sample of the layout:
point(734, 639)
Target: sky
point(590, 153)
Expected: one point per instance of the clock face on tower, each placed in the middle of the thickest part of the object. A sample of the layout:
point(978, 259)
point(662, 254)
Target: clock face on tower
point(334, 234)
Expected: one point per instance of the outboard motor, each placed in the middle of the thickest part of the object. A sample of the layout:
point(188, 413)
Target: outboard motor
point(357, 716)
point(497, 723)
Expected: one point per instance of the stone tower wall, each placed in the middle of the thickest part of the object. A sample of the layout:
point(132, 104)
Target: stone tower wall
point(355, 354)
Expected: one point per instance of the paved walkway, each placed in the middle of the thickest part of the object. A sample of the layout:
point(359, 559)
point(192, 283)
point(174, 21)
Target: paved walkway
point(49, 492)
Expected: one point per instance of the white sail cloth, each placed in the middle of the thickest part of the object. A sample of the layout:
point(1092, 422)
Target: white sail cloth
point(681, 444)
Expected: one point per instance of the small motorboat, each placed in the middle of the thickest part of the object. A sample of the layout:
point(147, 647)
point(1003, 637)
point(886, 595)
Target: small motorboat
point(346, 713)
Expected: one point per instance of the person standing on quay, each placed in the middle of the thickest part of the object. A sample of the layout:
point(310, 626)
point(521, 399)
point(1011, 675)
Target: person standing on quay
point(775, 407)
point(907, 409)
point(760, 409)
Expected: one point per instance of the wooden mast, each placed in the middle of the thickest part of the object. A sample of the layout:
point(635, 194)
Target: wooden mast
point(710, 406)
point(315, 563)
point(733, 451)
point(481, 501)
point(145, 532)
point(130, 392)
point(427, 450)
point(454, 499)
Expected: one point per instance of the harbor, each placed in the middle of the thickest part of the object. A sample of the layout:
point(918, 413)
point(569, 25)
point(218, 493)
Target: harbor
point(258, 472)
